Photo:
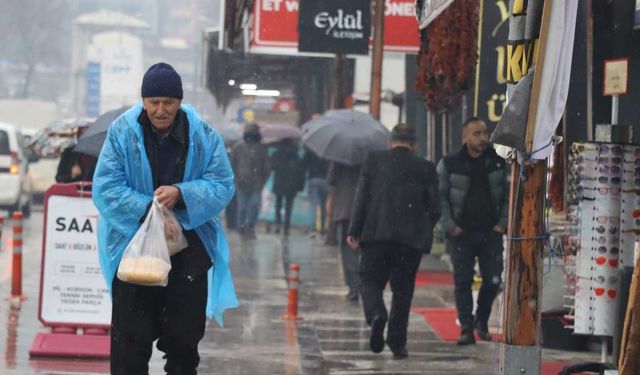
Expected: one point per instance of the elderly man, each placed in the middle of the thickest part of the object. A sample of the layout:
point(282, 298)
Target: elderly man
point(163, 149)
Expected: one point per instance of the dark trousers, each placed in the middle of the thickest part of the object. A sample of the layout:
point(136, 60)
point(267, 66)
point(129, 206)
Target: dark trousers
point(350, 258)
point(487, 248)
point(397, 264)
point(174, 315)
point(248, 209)
point(288, 207)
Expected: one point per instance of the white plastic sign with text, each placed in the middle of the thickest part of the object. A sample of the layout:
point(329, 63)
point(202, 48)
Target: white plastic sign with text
point(73, 290)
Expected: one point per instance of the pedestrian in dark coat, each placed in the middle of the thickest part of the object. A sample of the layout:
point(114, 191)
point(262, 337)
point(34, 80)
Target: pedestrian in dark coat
point(395, 210)
point(474, 191)
point(251, 167)
point(343, 180)
point(288, 180)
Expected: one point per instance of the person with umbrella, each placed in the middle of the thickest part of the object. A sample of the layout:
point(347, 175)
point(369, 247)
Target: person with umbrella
point(345, 137)
point(161, 149)
point(75, 166)
point(343, 180)
point(288, 180)
point(396, 207)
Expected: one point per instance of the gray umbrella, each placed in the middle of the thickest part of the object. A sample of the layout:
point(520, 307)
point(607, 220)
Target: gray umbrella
point(91, 141)
point(345, 136)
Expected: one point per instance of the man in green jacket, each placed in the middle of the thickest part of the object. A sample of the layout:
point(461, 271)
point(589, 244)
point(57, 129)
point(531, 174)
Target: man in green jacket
point(474, 193)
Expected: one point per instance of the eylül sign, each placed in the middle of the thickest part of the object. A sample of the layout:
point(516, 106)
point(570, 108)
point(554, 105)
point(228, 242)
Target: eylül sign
point(334, 26)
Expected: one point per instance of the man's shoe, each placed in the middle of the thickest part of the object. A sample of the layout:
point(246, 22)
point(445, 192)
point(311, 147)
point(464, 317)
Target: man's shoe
point(482, 329)
point(401, 353)
point(467, 338)
point(352, 296)
point(250, 234)
point(376, 340)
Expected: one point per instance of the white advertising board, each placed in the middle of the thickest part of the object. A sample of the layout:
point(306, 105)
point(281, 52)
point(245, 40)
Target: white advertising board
point(118, 58)
point(73, 290)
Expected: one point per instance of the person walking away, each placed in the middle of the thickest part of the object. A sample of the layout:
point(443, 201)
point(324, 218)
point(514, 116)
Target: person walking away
point(474, 191)
point(250, 164)
point(231, 211)
point(396, 207)
point(316, 172)
point(343, 180)
point(161, 149)
point(288, 180)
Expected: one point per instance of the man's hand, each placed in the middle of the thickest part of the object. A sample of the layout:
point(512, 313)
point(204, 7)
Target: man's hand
point(499, 228)
point(353, 242)
point(455, 231)
point(168, 196)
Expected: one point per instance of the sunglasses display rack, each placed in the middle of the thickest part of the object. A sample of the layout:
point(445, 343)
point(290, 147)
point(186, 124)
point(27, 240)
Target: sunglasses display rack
point(604, 203)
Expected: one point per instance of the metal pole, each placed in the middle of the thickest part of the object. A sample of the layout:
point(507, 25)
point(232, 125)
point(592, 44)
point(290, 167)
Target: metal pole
point(376, 57)
point(443, 125)
point(604, 349)
point(221, 30)
point(615, 103)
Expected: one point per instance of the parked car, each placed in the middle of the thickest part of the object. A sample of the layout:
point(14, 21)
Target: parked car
point(14, 171)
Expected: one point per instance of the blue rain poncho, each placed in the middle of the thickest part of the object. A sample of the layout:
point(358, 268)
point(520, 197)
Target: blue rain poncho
point(123, 188)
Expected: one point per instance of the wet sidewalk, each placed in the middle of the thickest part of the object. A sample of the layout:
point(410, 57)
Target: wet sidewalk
point(332, 337)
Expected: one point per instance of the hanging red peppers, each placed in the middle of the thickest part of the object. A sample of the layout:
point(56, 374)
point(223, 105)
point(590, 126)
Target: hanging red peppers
point(448, 55)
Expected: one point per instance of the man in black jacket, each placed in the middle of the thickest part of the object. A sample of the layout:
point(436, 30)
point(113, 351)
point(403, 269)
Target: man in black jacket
point(474, 192)
point(396, 207)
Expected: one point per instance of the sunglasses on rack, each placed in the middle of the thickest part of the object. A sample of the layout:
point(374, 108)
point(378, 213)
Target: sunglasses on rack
point(601, 261)
point(635, 171)
point(609, 169)
point(614, 150)
point(613, 250)
point(608, 219)
point(602, 240)
point(612, 293)
point(601, 229)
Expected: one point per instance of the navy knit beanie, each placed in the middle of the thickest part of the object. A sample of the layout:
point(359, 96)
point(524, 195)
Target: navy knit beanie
point(161, 80)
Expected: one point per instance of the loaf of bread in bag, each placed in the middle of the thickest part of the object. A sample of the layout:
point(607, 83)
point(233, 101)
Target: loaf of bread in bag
point(143, 270)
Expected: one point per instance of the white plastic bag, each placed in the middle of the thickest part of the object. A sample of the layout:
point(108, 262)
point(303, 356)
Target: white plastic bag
point(146, 258)
point(176, 240)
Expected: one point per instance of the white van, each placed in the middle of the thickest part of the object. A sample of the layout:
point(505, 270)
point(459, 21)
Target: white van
point(15, 181)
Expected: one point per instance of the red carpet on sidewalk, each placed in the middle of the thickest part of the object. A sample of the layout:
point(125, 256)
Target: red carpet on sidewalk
point(443, 321)
point(427, 278)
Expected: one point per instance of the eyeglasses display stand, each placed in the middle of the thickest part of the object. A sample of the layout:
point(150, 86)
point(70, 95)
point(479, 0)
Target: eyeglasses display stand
point(604, 196)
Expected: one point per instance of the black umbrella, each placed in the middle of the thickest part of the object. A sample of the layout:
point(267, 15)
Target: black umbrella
point(345, 136)
point(91, 141)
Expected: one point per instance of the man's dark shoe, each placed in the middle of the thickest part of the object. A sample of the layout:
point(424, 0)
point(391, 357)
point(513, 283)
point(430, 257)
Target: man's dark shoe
point(482, 329)
point(250, 234)
point(352, 296)
point(401, 353)
point(376, 340)
point(467, 338)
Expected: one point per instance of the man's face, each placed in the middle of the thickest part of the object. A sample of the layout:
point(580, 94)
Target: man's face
point(161, 111)
point(476, 136)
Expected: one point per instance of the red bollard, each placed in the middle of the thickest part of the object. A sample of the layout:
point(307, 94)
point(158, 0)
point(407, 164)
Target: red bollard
point(292, 305)
point(16, 274)
point(1, 228)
